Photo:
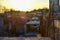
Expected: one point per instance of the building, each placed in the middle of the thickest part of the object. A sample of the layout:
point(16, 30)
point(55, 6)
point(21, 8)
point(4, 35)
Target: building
point(14, 22)
point(1, 19)
point(49, 26)
point(32, 27)
point(54, 6)
point(1, 23)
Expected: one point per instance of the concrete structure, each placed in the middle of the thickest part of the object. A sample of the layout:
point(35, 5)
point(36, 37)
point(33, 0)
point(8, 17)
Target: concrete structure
point(1, 19)
point(54, 6)
point(1, 23)
point(48, 28)
point(14, 22)
point(34, 23)
point(50, 23)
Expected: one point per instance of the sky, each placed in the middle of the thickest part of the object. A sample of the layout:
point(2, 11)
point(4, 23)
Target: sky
point(25, 5)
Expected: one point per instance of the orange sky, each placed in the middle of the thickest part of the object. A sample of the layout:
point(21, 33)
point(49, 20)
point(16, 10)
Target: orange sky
point(25, 5)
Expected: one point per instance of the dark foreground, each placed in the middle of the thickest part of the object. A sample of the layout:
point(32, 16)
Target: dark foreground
point(24, 38)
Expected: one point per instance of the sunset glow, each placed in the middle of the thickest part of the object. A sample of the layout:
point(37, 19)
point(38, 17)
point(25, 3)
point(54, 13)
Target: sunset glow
point(25, 5)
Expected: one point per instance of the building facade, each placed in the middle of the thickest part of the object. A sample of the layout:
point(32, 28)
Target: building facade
point(54, 6)
point(48, 26)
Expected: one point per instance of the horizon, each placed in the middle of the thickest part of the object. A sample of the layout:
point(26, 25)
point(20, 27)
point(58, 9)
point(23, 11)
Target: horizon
point(25, 5)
